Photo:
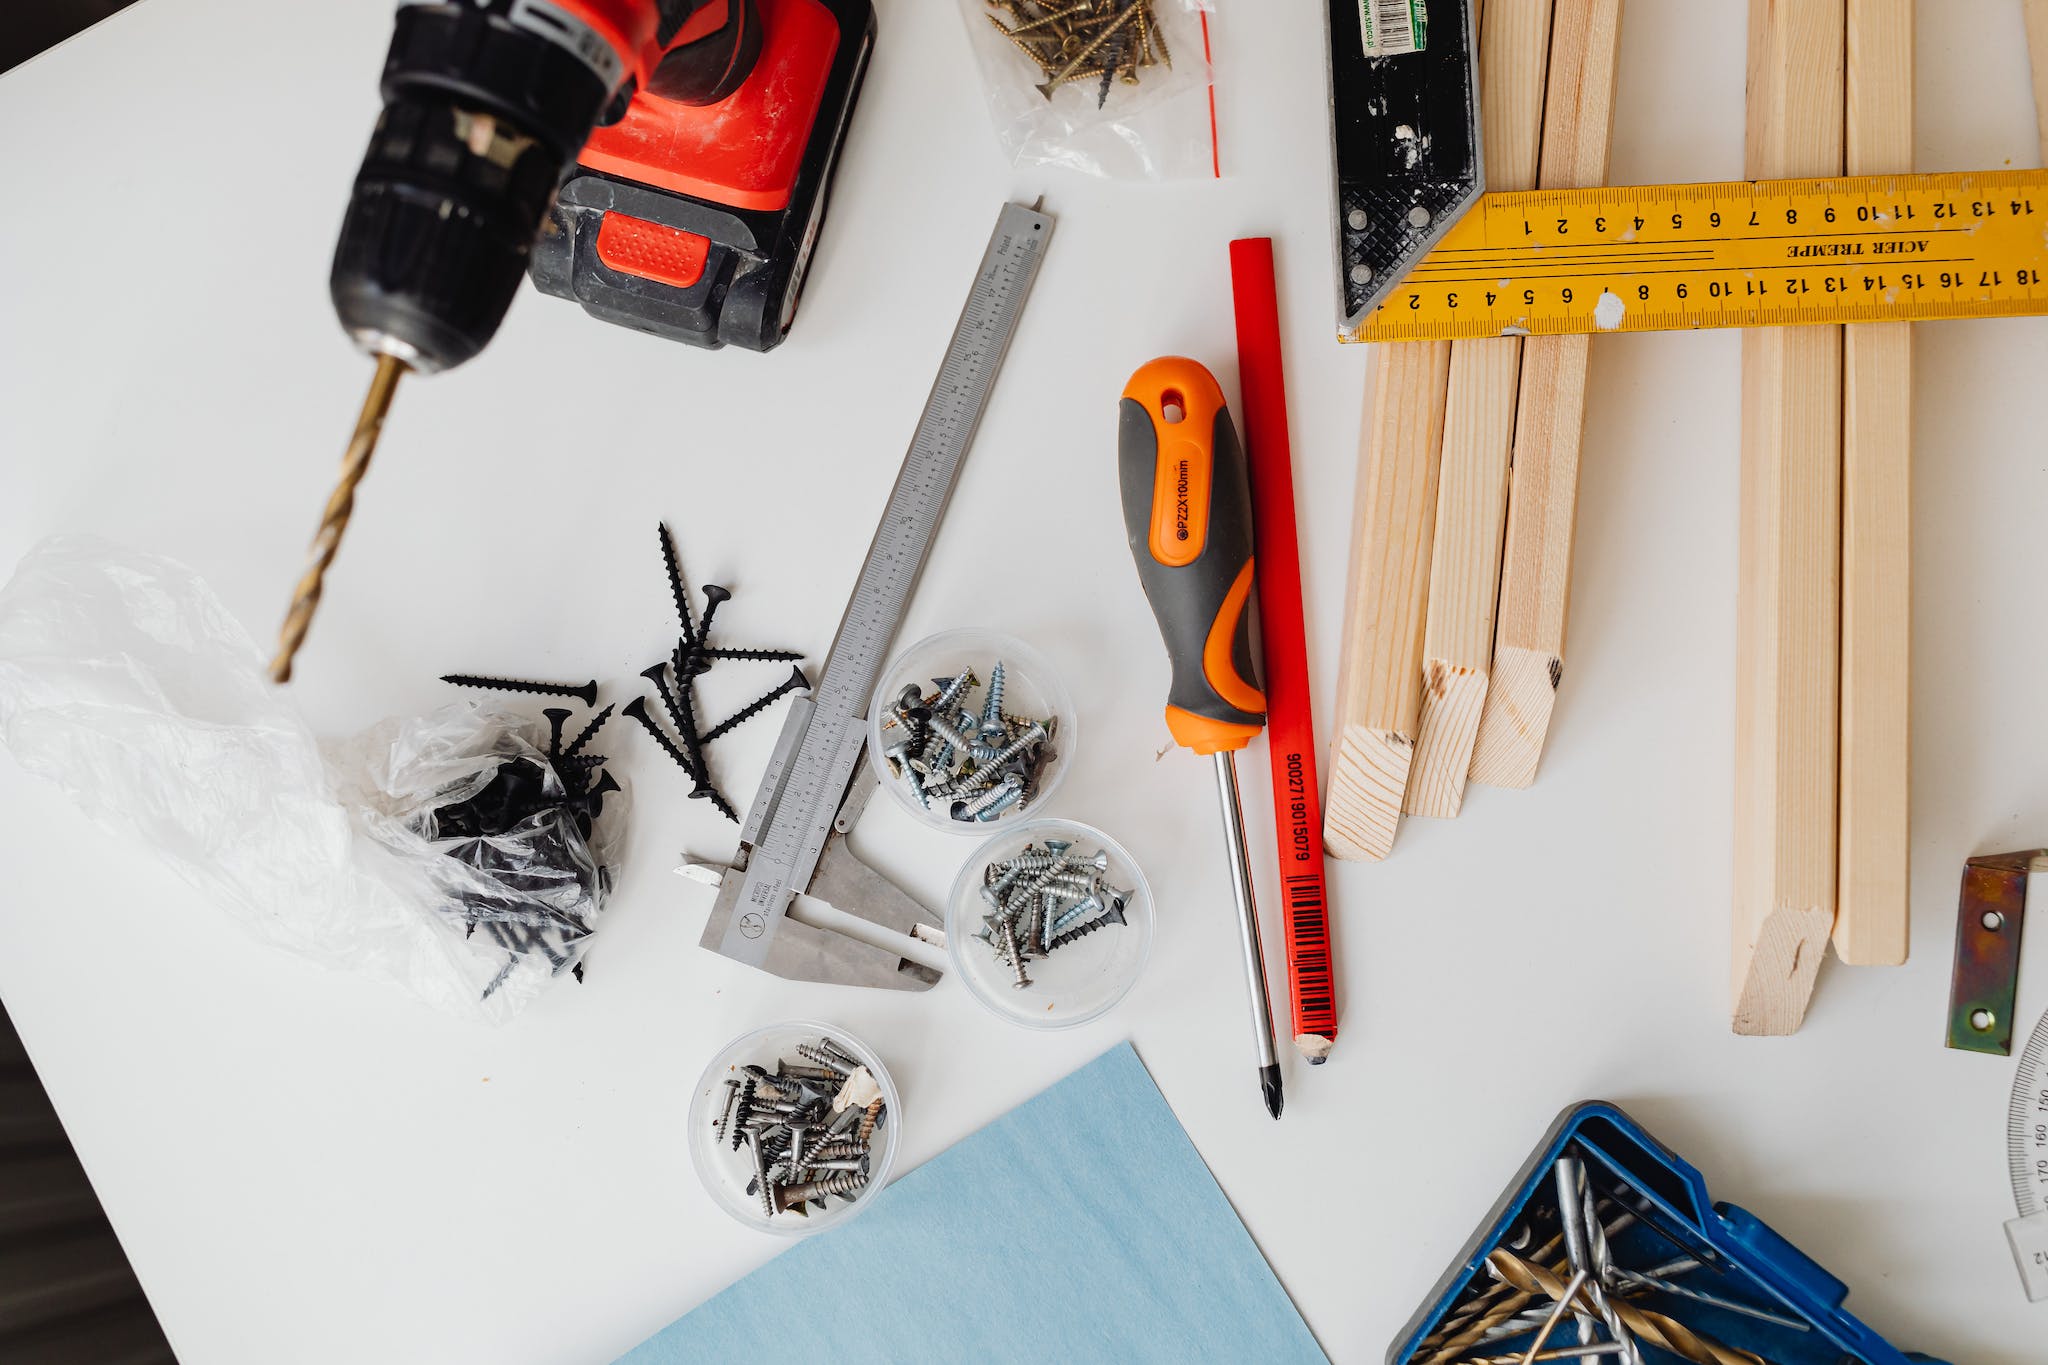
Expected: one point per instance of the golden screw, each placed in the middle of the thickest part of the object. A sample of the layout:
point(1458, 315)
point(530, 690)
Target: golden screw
point(1052, 19)
point(1102, 36)
point(1037, 57)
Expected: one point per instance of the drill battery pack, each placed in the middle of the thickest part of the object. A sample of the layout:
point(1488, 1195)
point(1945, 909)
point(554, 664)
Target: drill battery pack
point(697, 222)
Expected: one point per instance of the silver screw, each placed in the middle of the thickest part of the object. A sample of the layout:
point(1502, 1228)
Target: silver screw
point(1012, 787)
point(950, 692)
point(992, 710)
point(1091, 906)
point(767, 1190)
point(1016, 747)
point(796, 1150)
point(945, 729)
point(1008, 799)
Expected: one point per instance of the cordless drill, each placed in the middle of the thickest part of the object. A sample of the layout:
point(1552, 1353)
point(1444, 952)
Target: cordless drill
point(691, 213)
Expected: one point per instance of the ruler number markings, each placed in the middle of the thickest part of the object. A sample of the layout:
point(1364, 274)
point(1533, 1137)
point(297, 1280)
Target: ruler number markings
point(1734, 254)
point(2027, 1125)
point(816, 774)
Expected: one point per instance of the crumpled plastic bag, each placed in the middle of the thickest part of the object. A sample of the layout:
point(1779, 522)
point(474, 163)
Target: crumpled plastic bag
point(127, 683)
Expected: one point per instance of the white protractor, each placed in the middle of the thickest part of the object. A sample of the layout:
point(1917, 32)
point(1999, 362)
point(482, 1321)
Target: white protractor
point(2027, 1151)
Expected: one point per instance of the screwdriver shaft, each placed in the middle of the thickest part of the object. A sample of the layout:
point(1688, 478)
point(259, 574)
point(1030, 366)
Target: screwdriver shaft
point(355, 462)
point(1248, 924)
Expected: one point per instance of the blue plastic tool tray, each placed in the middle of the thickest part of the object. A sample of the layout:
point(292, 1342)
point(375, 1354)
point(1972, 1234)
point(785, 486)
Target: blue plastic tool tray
point(1740, 1258)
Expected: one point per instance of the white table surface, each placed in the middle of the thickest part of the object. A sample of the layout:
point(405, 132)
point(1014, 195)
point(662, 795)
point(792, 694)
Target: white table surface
point(308, 1167)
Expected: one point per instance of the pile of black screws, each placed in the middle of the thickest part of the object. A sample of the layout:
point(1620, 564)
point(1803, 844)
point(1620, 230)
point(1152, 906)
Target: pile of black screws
point(974, 763)
point(810, 1127)
point(675, 684)
point(1043, 899)
point(551, 810)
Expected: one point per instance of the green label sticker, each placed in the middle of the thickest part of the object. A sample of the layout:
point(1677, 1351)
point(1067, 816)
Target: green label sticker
point(1393, 27)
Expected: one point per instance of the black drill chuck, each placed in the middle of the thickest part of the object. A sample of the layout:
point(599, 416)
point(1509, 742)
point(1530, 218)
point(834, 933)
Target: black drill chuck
point(481, 120)
point(486, 105)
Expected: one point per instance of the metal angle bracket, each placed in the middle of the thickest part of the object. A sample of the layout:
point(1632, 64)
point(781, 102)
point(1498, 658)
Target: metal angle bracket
point(1405, 139)
point(1989, 921)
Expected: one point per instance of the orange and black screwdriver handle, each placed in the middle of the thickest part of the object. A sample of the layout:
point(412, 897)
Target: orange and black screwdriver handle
point(1188, 515)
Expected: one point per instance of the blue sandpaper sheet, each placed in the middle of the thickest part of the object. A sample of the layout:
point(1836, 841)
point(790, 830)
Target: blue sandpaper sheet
point(1080, 1226)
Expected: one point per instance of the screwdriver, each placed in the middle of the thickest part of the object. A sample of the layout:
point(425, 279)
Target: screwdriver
point(1188, 515)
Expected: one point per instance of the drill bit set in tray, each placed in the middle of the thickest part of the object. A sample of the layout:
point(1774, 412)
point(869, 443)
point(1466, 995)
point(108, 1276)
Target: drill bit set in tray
point(1607, 1248)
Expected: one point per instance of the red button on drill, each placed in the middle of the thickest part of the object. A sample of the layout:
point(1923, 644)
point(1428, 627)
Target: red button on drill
point(666, 255)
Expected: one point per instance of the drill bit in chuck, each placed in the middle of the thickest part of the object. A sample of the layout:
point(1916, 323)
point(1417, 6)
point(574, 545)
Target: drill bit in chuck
point(334, 520)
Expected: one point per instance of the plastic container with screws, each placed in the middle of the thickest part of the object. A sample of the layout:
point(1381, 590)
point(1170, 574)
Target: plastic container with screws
point(727, 1170)
point(1076, 981)
point(1026, 740)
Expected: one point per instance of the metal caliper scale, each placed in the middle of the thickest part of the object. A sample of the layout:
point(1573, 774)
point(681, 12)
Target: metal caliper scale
point(818, 781)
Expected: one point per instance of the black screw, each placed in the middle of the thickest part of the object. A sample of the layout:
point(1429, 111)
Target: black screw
point(687, 762)
point(713, 595)
point(684, 712)
point(637, 709)
point(680, 712)
point(761, 703)
point(675, 582)
point(587, 693)
point(593, 800)
point(589, 733)
point(773, 656)
point(1114, 914)
point(740, 1111)
point(717, 798)
point(735, 1108)
point(556, 715)
point(1110, 63)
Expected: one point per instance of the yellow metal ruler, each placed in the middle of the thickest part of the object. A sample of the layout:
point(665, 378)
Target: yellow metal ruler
point(1768, 253)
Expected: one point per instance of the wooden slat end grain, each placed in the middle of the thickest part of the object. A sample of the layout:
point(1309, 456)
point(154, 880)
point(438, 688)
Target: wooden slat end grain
point(1535, 588)
point(1379, 685)
point(1479, 434)
point(1788, 611)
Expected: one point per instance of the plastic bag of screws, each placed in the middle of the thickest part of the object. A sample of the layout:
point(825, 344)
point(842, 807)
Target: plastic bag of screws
point(127, 682)
point(1049, 923)
point(793, 1126)
point(970, 729)
point(516, 825)
point(1112, 88)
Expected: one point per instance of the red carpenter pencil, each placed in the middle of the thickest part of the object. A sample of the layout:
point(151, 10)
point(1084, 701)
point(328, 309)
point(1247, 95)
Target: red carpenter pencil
point(1290, 726)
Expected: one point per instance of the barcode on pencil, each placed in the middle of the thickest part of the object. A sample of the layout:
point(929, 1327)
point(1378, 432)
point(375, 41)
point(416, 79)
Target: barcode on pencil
point(1308, 956)
point(1392, 27)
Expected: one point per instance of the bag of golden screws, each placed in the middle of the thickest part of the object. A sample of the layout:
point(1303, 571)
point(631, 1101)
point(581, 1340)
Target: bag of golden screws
point(1115, 88)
